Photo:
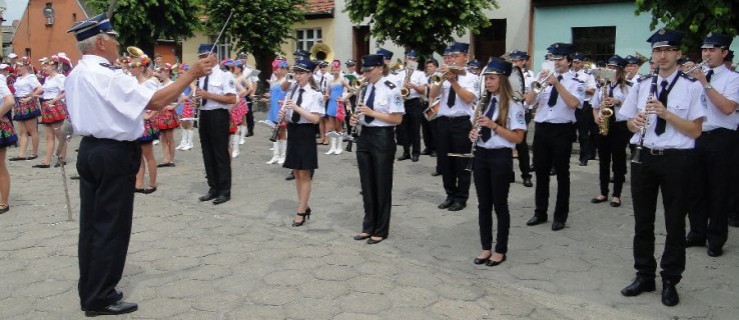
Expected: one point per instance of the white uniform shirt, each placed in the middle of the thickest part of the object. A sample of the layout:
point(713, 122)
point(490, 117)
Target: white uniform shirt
point(683, 101)
point(469, 82)
point(4, 90)
point(25, 85)
point(219, 82)
point(635, 79)
point(618, 93)
point(725, 82)
point(103, 102)
point(312, 102)
point(387, 100)
point(560, 112)
point(417, 77)
point(322, 80)
point(53, 86)
point(589, 80)
point(516, 120)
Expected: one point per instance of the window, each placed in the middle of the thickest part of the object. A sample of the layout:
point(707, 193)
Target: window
point(491, 41)
point(306, 38)
point(596, 43)
point(223, 48)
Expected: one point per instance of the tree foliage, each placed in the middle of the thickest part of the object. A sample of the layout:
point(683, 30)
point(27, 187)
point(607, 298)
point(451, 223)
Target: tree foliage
point(423, 25)
point(142, 22)
point(694, 17)
point(257, 26)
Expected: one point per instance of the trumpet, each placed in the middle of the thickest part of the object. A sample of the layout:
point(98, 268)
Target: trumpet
point(438, 79)
point(540, 84)
point(135, 51)
point(290, 77)
point(698, 66)
point(643, 130)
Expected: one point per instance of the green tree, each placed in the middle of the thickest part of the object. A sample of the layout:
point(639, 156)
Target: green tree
point(142, 22)
point(259, 27)
point(426, 26)
point(694, 17)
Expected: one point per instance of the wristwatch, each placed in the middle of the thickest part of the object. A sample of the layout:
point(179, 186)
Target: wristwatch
point(707, 86)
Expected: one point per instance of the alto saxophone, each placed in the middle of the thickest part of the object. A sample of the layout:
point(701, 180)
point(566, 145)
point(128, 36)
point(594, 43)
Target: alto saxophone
point(605, 110)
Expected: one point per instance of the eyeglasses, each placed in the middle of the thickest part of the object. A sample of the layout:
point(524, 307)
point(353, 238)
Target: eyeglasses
point(661, 50)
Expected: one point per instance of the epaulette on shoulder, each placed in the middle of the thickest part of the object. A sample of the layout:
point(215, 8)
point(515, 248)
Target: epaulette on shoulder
point(109, 66)
point(390, 84)
point(643, 78)
point(629, 83)
point(688, 78)
point(578, 80)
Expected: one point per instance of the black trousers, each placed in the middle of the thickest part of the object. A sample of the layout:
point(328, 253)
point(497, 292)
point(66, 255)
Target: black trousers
point(250, 116)
point(612, 147)
point(668, 174)
point(375, 158)
point(492, 170)
point(213, 132)
point(453, 137)
point(428, 128)
point(107, 170)
point(586, 131)
point(708, 212)
point(552, 147)
point(524, 162)
point(409, 131)
point(734, 206)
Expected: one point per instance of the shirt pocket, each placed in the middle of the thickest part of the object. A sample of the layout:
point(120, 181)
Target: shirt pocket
point(679, 108)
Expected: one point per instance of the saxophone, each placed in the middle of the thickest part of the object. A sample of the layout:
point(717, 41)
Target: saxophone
point(605, 110)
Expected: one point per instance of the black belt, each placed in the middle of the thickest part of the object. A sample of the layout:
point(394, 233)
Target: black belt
point(460, 118)
point(107, 141)
point(666, 152)
point(718, 131)
point(368, 128)
point(491, 151)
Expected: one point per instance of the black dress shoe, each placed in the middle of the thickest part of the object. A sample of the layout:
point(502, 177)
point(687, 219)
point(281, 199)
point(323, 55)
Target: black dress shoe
point(426, 152)
point(221, 199)
point(290, 176)
point(361, 237)
point(17, 158)
point(446, 204)
point(669, 294)
point(536, 220)
point(405, 156)
point(553, 172)
point(583, 163)
point(492, 263)
point(209, 196)
point(119, 307)
point(373, 241)
point(414, 158)
point(481, 261)
point(44, 166)
point(435, 174)
point(457, 206)
point(527, 183)
point(615, 204)
point(596, 200)
point(715, 251)
point(556, 225)
point(432, 154)
point(694, 242)
point(639, 285)
point(734, 222)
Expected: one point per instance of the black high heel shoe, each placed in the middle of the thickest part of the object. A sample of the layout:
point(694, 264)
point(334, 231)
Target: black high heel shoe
point(305, 215)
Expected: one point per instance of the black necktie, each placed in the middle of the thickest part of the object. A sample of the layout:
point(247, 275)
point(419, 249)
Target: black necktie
point(709, 74)
point(661, 123)
point(205, 87)
point(296, 116)
point(452, 100)
point(370, 104)
point(485, 131)
point(554, 95)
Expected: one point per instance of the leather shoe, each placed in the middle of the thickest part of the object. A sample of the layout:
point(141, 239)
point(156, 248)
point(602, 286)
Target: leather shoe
point(290, 176)
point(556, 225)
point(405, 156)
point(119, 307)
point(536, 220)
point(596, 200)
point(433, 154)
point(414, 158)
point(583, 163)
point(639, 285)
point(694, 242)
point(209, 196)
point(615, 204)
point(481, 261)
point(734, 221)
point(457, 206)
point(493, 263)
point(527, 183)
point(361, 237)
point(446, 204)
point(426, 152)
point(221, 199)
point(435, 174)
point(715, 252)
point(669, 294)
point(373, 241)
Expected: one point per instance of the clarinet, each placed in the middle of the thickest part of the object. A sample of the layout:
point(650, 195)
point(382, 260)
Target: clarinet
point(643, 130)
point(273, 137)
point(477, 115)
point(362, 92)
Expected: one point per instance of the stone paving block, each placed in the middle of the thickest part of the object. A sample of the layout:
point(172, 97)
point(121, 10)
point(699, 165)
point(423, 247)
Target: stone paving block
point(185, 288)
point(208, 272)
point(323, 289)
point(357, 302)
point(273, 296)
point(195, 315)
point(419, 278)
point(59, 304)
point(411, 314)
point(15, 306)
point(371, 284)
point(355, 316)
point(161, 308)
point(377, 268)
point(312, 309)
point(286, 278)
point(176, 263)
point(412, 297)
point(334, 273)
point(456, 292)
point(460, 309)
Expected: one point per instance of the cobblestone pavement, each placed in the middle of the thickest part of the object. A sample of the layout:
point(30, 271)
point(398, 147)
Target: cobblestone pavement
point(243, 260)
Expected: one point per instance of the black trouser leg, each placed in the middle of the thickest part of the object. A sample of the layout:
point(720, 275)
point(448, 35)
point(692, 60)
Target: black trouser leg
point(604, 166)
point(584, 125)
point(492, 182)
point(214, 143)
point(543, 164)
point(375, 158)
point(250, 120)
point(552, 146)
point(524, 162)
point(413, 129)
point(453, 138)
point(428, 134)
point(107, 172)
point(618, 154)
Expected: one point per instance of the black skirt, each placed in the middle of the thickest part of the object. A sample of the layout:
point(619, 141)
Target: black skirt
point(302, 153)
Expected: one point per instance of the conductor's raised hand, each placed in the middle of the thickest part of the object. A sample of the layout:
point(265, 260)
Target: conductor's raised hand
point(203, 66)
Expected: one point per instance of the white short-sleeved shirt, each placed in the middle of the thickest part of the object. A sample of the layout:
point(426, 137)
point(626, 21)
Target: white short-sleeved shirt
point(725, 82)
point(53, 86)
point(683, 101)
point(469, 82)
point(560, 112)
point(615, 91)
point(103, 102)
point(312, 102)
point(589, 82)
point(516, 120)
point(387, 100)
point(322, 80)
point(25, 85)
point(417, 77)
point(219, 82)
